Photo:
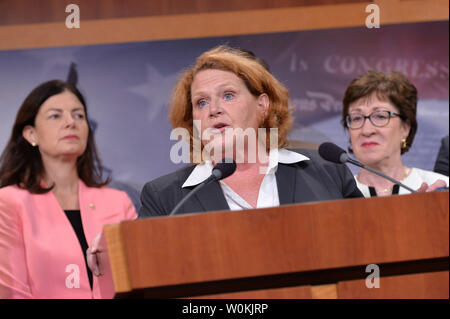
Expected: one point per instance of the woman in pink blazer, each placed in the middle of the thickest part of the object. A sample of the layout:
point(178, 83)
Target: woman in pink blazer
point(52, 198)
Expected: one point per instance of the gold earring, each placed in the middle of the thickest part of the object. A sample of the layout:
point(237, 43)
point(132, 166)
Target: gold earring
point(403, 145)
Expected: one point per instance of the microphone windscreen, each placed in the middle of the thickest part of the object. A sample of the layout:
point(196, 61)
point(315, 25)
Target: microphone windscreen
point(331, 152)
point(224, 168)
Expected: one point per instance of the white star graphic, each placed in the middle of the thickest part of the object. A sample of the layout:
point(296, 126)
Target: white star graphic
point(155, 90)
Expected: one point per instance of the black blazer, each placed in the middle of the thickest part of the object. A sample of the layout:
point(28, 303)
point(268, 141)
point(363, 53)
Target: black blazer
point(305, 181)
point(441, 165)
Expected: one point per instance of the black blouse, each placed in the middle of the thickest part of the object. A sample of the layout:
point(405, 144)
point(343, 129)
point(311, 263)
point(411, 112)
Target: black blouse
point(395, 190)
point(74, 217)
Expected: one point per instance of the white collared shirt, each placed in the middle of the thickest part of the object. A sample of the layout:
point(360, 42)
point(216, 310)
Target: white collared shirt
point(414, 180)
point(268, 192)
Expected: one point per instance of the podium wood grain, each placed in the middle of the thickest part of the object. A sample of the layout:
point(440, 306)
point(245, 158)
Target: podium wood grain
point(312, 244)
point(417, 286)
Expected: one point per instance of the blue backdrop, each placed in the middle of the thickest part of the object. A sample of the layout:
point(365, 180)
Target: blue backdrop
point(127, 86)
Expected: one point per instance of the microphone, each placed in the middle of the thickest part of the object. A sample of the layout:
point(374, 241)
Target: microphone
point(223, 169)
point(333, 153)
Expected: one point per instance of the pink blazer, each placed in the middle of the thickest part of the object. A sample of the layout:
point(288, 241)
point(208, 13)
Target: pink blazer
point(40, 255)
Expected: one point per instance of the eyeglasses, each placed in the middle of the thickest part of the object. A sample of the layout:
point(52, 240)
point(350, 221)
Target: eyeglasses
point(377, 118)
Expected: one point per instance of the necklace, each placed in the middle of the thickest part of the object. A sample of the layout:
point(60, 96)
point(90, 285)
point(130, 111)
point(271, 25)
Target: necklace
point(389, 189)
point(386, 190)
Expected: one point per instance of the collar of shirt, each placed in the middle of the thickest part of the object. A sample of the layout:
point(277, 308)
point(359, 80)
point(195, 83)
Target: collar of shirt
point(202, 171)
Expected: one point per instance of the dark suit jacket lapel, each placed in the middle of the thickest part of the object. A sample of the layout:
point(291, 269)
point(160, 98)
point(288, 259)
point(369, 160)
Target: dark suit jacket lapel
point(211, 198)
point(299, 183)
point(286, 182)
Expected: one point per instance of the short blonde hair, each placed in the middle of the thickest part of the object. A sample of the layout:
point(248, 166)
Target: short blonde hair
point(257, 79)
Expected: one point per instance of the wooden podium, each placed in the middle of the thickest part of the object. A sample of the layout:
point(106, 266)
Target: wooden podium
point(312, 250)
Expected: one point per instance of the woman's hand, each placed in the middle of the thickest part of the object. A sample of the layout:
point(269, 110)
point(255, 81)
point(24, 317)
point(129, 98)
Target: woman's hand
point(92, 257)
point(424, 188)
